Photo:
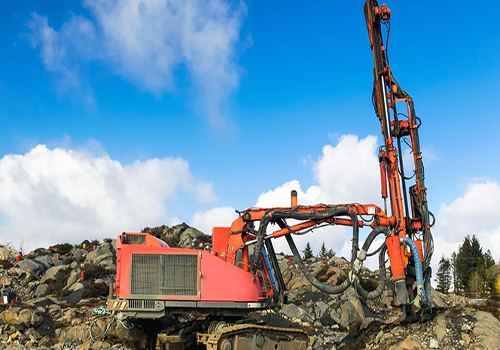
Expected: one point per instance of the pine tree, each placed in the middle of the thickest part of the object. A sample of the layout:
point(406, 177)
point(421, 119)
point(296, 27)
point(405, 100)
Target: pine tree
point(443, 275)
point(330, 254)
point(322, 251)
point(308, 253)
point(473, 269)
point(325, 252)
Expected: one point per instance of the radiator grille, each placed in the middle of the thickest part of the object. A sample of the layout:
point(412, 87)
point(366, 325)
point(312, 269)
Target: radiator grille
point(134, 239)
point(141, 304)
point(164, 274)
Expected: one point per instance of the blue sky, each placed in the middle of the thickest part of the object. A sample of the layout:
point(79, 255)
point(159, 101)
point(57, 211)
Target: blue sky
point(299, 77)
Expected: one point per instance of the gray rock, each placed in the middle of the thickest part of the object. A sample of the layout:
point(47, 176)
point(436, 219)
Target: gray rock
point(437, 299)
point(47, 260)
point(33, 266)
point(184, 236)
point(466, 327)
point(51, 273)
point(79, 254)
point(42, 290)
point(352, 314)
point(320, 308)
point(73, 278)
point(293, 311)
point(74, 297)
point(101, 256)
point(76, 286)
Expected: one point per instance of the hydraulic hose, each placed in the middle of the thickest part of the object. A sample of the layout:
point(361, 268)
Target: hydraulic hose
point(382, 274)
point(421, 295)
point(294, 214)
point(327, 288)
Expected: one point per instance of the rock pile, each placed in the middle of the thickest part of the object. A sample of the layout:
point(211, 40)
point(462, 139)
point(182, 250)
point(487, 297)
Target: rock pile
point(347, 322)
point(59, 294)
point(182, 236)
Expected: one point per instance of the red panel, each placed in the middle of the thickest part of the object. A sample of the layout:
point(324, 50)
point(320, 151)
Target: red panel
point(221, 281)
point(220, 239)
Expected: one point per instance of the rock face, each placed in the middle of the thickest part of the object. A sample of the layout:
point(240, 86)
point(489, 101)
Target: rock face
point(184, 236)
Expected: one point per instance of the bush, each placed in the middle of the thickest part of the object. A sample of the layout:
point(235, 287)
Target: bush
point(93, 290)
point(93, 271)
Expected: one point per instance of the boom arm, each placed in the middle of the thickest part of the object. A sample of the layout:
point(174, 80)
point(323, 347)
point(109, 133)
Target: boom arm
point(396, 126)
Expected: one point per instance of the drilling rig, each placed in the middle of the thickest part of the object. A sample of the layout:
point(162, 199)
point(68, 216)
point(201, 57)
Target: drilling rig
point(239, 273)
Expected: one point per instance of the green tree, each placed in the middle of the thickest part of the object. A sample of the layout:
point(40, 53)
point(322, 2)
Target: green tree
point(473, 270)
point(308, 253)
point(486, 271)
point(324, 252)
point(468, 257)
point(443, 275)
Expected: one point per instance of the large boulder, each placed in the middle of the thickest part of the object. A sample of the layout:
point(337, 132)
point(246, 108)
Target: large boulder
point(487, 330)
point(42, 290)
point(292, 311)
point(51, 273)
point(33, 266)
point(48, 260)
point(352, 313)
point(102, 256)
point(79, 254)
point(184, 236)
point(437, 299)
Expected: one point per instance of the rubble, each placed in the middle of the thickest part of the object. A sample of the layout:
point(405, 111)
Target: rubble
point(54, 308)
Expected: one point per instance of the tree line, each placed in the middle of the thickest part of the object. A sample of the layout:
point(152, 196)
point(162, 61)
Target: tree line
point(469, 270)
point(323, 252)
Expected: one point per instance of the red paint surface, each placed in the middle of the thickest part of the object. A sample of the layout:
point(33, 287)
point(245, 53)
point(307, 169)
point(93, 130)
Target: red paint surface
point(220, 281)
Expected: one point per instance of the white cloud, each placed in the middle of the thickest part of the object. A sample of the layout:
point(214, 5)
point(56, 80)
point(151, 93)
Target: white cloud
point(148, 42)
point(58, 49)
point(476, 212)
point(215, 217)
point(345, 173)
point(50, 196)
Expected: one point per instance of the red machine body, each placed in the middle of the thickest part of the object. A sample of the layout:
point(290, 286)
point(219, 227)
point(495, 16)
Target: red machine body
point(208, 279)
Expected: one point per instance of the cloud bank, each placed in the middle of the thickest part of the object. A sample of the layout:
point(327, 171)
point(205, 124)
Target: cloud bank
point(151, 43)
point(50, 196)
